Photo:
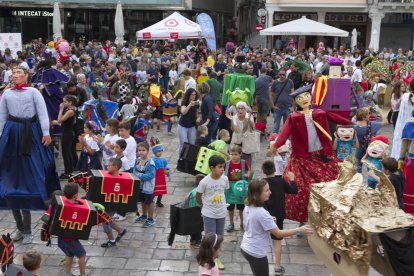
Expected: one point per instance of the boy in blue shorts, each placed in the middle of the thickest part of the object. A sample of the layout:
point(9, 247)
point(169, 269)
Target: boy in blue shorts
point(70, 246)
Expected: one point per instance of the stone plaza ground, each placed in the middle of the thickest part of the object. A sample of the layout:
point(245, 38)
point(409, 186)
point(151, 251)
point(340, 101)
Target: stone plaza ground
point(145, 252)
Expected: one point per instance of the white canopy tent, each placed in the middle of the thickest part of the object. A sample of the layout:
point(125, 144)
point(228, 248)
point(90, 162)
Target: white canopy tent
point(304, 26)
point(174, 26)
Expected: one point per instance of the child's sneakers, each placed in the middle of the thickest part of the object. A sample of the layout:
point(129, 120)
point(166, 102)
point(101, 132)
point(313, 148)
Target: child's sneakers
point(149, 222)
point(17, 235)
point(27, 239)
point(219, 264)
point(108, 243)
point(120, 235)
point(197, 244)
point(279, 270)
point(160, 205)
point(141, 218)
point(230, 228)
point(119, 218)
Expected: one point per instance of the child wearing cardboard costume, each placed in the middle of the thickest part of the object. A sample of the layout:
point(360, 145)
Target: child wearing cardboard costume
point(376, 151)
point(114, 165)
point(70, 246)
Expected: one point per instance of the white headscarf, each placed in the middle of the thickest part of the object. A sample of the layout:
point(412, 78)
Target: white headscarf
point(404, 116)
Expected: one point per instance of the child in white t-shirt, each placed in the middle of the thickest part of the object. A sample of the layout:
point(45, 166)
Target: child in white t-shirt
point(119, 148)
point(131, 149)
point(141, 74)
point(173, 76)
point(211, 199)
point(107, 145)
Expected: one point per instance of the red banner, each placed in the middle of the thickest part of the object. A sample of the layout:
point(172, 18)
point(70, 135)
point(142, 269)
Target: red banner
point(146, 35)
point(174, 35)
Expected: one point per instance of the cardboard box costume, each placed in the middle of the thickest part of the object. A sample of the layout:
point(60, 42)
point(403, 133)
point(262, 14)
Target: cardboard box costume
point(202, 159)
point(348, 216)
point(71, 220)
point(188, 158)
point(116, 193)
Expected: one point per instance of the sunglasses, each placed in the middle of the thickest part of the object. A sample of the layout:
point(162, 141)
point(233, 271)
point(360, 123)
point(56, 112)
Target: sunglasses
point(282, 74)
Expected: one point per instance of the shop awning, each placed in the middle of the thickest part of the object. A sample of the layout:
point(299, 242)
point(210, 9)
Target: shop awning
point(174, 26)
point(304, 26)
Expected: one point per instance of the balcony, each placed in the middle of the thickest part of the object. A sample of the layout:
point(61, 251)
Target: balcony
point(395, 1)
point(395, 5)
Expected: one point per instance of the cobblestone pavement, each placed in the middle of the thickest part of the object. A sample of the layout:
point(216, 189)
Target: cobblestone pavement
point(146, 252)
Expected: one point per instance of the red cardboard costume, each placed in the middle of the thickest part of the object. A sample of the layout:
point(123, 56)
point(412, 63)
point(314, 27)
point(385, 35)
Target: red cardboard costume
point(313, 159)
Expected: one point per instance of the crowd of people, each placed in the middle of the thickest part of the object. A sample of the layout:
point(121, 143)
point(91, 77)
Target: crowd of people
point(190, 80)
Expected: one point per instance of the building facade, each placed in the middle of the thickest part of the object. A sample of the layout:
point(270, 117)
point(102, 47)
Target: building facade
point(391, 19)
point(94, 19)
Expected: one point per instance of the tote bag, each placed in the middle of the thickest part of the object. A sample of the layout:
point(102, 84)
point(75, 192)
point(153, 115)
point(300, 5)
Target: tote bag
point(250, 141)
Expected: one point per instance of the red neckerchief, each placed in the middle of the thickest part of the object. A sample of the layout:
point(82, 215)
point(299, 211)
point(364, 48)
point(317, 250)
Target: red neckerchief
point(20, 86)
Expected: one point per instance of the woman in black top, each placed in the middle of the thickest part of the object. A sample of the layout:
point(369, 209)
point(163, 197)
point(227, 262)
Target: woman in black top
point(67, 119)
point(187, 124)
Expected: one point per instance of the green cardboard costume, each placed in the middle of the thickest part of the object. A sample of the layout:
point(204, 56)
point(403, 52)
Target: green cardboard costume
point(237, 192)
point(238, 81)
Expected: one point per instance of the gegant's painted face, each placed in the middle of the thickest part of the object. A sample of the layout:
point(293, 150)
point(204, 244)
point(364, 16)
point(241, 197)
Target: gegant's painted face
point(303, 100)
point(345, 133)
point(377, 149)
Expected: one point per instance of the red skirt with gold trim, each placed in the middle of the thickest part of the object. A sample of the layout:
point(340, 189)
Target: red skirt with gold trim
point(160, 183)
point(308, 171)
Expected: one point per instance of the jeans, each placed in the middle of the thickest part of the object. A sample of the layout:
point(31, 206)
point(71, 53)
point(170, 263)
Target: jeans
point(23, 221)
point(185, 134)
point(212, 225)
point(279, 114)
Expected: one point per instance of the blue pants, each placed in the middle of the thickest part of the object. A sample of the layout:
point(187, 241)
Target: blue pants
point(185, 134)
point(212, 127)
point(279, 114)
